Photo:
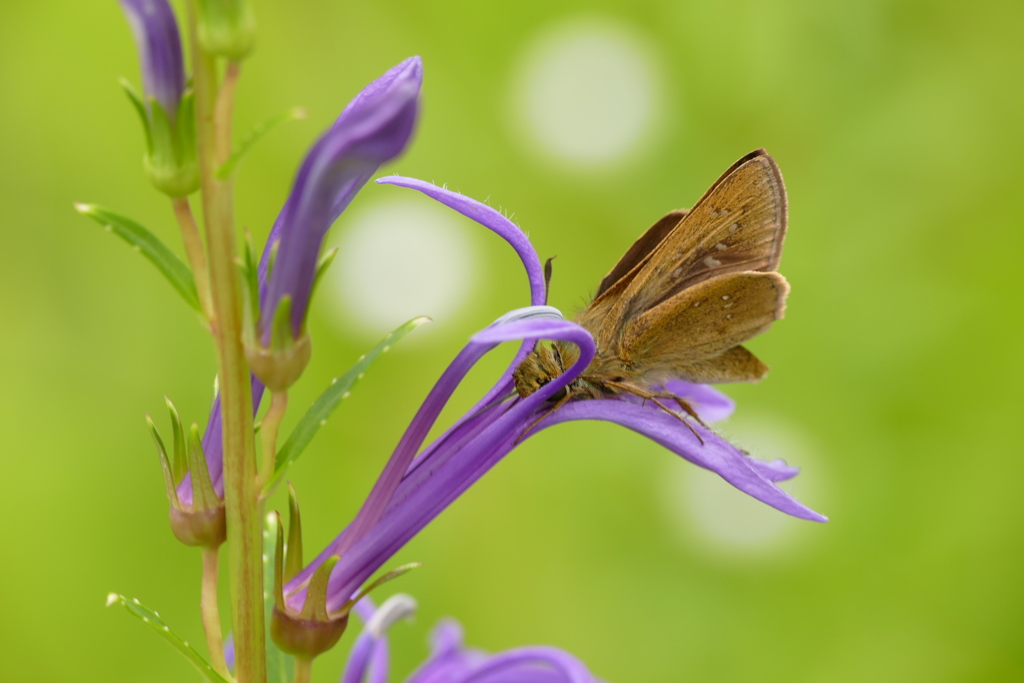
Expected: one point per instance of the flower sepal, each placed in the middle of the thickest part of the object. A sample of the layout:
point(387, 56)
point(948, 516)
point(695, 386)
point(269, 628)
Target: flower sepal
point(281, 362)
point(227, 28)
point(201, 521)
point(171, 161)
point(312, 630)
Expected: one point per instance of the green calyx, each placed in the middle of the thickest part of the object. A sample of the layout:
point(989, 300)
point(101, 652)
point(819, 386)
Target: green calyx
point(227, 28)
point(282, 362)
point(171, 160)
point(202, 522)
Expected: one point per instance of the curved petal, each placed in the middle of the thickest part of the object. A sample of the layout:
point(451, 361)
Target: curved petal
point(530, 665)
point(429, 488)
point(715, 454)
point(491, 219)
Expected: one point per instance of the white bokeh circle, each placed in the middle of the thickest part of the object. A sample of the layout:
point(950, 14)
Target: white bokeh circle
point(728, 523)
point(398, 260)
point(587, 92)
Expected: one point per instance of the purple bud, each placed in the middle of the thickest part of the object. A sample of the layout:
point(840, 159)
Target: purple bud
point(373, 129)
point(156, 35)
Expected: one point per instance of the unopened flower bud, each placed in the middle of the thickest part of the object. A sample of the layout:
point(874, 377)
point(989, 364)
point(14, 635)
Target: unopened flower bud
point(165, 106)
point(227, 28)
point(199, 521)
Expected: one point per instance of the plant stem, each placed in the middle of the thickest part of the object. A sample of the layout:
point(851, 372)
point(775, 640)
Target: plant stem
point(245, 541)
point(268, 435)
point(211, 612)
point(196, 255)
point(303, 669)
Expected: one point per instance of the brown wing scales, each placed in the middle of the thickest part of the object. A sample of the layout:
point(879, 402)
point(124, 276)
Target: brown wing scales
point(701, 322)
point(738, 225)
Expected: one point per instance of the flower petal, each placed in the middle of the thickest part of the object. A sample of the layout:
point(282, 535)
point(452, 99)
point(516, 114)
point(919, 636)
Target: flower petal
point(449, 466)
point(159, 43)
point(716, 454)
point(491, 219)
point(710, 403)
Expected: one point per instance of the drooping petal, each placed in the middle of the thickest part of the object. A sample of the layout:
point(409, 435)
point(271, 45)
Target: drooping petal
point(373, 129)
point(539, 664)
point(448, 468)
point(159, 44)
point(491, 219)
point(716, 454)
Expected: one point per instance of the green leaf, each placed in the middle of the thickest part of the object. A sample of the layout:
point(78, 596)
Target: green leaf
point(153, 620)
point(322, 408)
point(280, 666)
point(150, 246)
point(254, 136)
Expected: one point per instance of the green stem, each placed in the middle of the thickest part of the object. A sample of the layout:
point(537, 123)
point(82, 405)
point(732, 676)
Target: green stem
point(211, 612)
point(245, 541)
point(303, 669)
point(196, 255)
point(268, 435)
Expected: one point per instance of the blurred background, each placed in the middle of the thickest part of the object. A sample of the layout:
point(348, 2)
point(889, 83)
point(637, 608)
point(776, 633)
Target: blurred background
point(896, 375)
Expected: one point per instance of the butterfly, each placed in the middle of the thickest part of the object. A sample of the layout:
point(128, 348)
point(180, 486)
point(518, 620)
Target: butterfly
point(684, 298)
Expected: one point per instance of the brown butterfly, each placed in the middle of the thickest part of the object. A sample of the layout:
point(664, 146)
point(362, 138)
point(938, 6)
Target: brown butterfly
point(684, 298)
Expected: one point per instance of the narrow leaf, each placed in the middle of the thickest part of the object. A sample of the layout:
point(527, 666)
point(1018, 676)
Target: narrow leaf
point(254, 136)
point(150, 246)
point(153, 620)
point(322, 408)
point(280, 666)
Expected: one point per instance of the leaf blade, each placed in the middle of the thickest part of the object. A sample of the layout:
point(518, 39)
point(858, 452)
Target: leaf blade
point(328, 401)
point(153, 620)
point(254, 136)
point(149, 245)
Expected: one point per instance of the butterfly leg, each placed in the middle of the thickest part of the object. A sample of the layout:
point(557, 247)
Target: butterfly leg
point(686, 407)
point(652, 397)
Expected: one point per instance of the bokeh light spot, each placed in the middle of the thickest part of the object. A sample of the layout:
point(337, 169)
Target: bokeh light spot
point(586, 92)
point(396, 261)
point(728, 523)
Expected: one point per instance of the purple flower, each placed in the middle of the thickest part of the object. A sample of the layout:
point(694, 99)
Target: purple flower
point(450, 661)
point(413, 489)
point(159, 43)
point(374, 128)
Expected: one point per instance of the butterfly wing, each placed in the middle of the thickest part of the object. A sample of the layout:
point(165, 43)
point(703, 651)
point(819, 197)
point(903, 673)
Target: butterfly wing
point(734, 365)
point(647, 243)
point(697, 325)
point(738, 225)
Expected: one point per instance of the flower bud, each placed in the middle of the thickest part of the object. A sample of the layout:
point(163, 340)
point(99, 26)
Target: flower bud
point(201, 520)
point(311, 631)
point(165, 106)
point(227, 28)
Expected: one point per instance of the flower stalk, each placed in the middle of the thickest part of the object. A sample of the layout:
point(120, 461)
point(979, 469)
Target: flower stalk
point(213, 114)
point(196, 254)
point(211, 611)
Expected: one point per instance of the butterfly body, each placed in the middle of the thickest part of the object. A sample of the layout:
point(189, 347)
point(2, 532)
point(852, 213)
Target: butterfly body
point(684, 297)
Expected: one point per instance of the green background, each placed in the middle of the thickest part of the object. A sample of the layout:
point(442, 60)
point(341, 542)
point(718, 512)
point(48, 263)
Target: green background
point(895, 384)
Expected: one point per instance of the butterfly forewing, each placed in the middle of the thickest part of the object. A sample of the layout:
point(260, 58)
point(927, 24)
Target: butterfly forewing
point(738, 225)
point(644, 245)
point(701, 322)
